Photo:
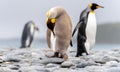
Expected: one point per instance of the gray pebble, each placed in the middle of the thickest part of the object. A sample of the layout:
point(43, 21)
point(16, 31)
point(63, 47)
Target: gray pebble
point(14, 67)
point(52, 60)
point(1, 61)
point(95, 69)
point(104, 59)
point(33, 69)
point(50, 65)
point(112, 64)
point(67, 64)
point(11, 59)
point(86, 63)
point(5, 69)
point(114, 69)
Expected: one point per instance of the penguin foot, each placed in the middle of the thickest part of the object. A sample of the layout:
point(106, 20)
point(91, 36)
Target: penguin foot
point(77, 55)
point(87, 53)
point(56, 54)
point(65, 57)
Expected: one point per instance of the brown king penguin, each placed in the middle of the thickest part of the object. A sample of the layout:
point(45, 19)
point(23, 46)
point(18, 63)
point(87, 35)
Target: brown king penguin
point(59, 31)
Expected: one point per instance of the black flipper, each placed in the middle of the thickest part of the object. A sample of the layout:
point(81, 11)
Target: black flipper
point(71, 43)
point(77, 26)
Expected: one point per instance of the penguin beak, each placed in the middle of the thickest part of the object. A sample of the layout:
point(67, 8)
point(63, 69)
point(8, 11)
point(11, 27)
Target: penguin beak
point(36, 28)
point(99, 7)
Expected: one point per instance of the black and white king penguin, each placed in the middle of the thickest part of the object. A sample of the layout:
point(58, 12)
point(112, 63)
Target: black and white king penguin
point(28, 34)
point(86, 29)
point(59, 31)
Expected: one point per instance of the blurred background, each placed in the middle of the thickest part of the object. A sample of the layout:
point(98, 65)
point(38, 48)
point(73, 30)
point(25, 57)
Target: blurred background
point(15, 13)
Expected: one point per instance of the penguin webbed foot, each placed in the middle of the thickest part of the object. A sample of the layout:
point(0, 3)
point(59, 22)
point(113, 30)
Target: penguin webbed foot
point(87, 53)
point(81, 54)
point(22, 47)
point(56, 54)
point(77, 55)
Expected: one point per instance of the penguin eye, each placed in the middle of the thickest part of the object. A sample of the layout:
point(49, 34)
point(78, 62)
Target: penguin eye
point(94, 6)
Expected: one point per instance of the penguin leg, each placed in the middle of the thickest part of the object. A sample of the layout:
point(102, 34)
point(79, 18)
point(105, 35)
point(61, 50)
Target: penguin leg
point(56, 54)
point(80, 45)
point(81, 49)
point(79, 52)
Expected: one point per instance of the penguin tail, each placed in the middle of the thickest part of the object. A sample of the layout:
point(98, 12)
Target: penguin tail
point(77, 26)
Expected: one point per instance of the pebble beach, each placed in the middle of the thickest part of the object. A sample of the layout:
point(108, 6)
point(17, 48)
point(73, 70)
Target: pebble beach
point(35, 60)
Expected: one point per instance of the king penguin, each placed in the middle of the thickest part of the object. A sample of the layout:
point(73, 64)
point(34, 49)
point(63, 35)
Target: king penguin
point(86, 29)
point(28, 34)
point(59, 31)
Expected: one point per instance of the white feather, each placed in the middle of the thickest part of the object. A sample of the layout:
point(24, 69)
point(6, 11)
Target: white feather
point(90, 31)
point(32, 29)
point(28, 41)
point(53, 40)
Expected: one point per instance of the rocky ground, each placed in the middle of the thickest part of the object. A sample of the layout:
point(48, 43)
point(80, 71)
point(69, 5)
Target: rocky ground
point(35, 60)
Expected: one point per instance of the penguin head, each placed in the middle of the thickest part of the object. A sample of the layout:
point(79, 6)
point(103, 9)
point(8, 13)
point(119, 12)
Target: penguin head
point(36, 28)
point(51, 19)
point(94, 6)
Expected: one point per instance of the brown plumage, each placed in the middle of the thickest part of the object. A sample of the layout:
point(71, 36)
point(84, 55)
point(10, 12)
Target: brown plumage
point(62, 30)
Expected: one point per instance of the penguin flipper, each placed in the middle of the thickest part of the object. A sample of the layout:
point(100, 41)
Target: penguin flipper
point(30, 41)
point(77, 26)
point(71, 43)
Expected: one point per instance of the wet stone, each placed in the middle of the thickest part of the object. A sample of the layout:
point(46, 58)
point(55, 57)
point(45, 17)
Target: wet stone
point(67, 64)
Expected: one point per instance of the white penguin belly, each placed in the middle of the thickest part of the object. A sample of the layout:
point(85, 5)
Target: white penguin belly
point(90, 31)
point(28, 41)
point(53, 41)
point(32, 29)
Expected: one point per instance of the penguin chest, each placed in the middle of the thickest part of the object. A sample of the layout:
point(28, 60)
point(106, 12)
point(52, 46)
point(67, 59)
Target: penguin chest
point(91, 30)
point(31, 32)
point(32, 29)
point(52, 41)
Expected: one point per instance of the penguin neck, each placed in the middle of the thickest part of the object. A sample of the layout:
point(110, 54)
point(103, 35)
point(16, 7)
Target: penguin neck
point(92, 12)
point(32, 29)
point(53, 41)
point(51, 27)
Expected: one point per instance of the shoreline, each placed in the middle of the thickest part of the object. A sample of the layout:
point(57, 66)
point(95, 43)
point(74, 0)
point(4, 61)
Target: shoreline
point(35, 60)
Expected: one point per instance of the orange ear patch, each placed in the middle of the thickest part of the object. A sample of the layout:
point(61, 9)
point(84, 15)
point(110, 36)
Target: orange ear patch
point(90, 5)
point(53, 20)
point(92, 12)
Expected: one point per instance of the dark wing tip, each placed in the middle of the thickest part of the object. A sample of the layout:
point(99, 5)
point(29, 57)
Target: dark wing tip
point(71, 43)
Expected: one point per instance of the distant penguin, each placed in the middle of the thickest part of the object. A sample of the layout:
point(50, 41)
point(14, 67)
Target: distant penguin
point(28, 34)
point(59, 31)
point(86, 29)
